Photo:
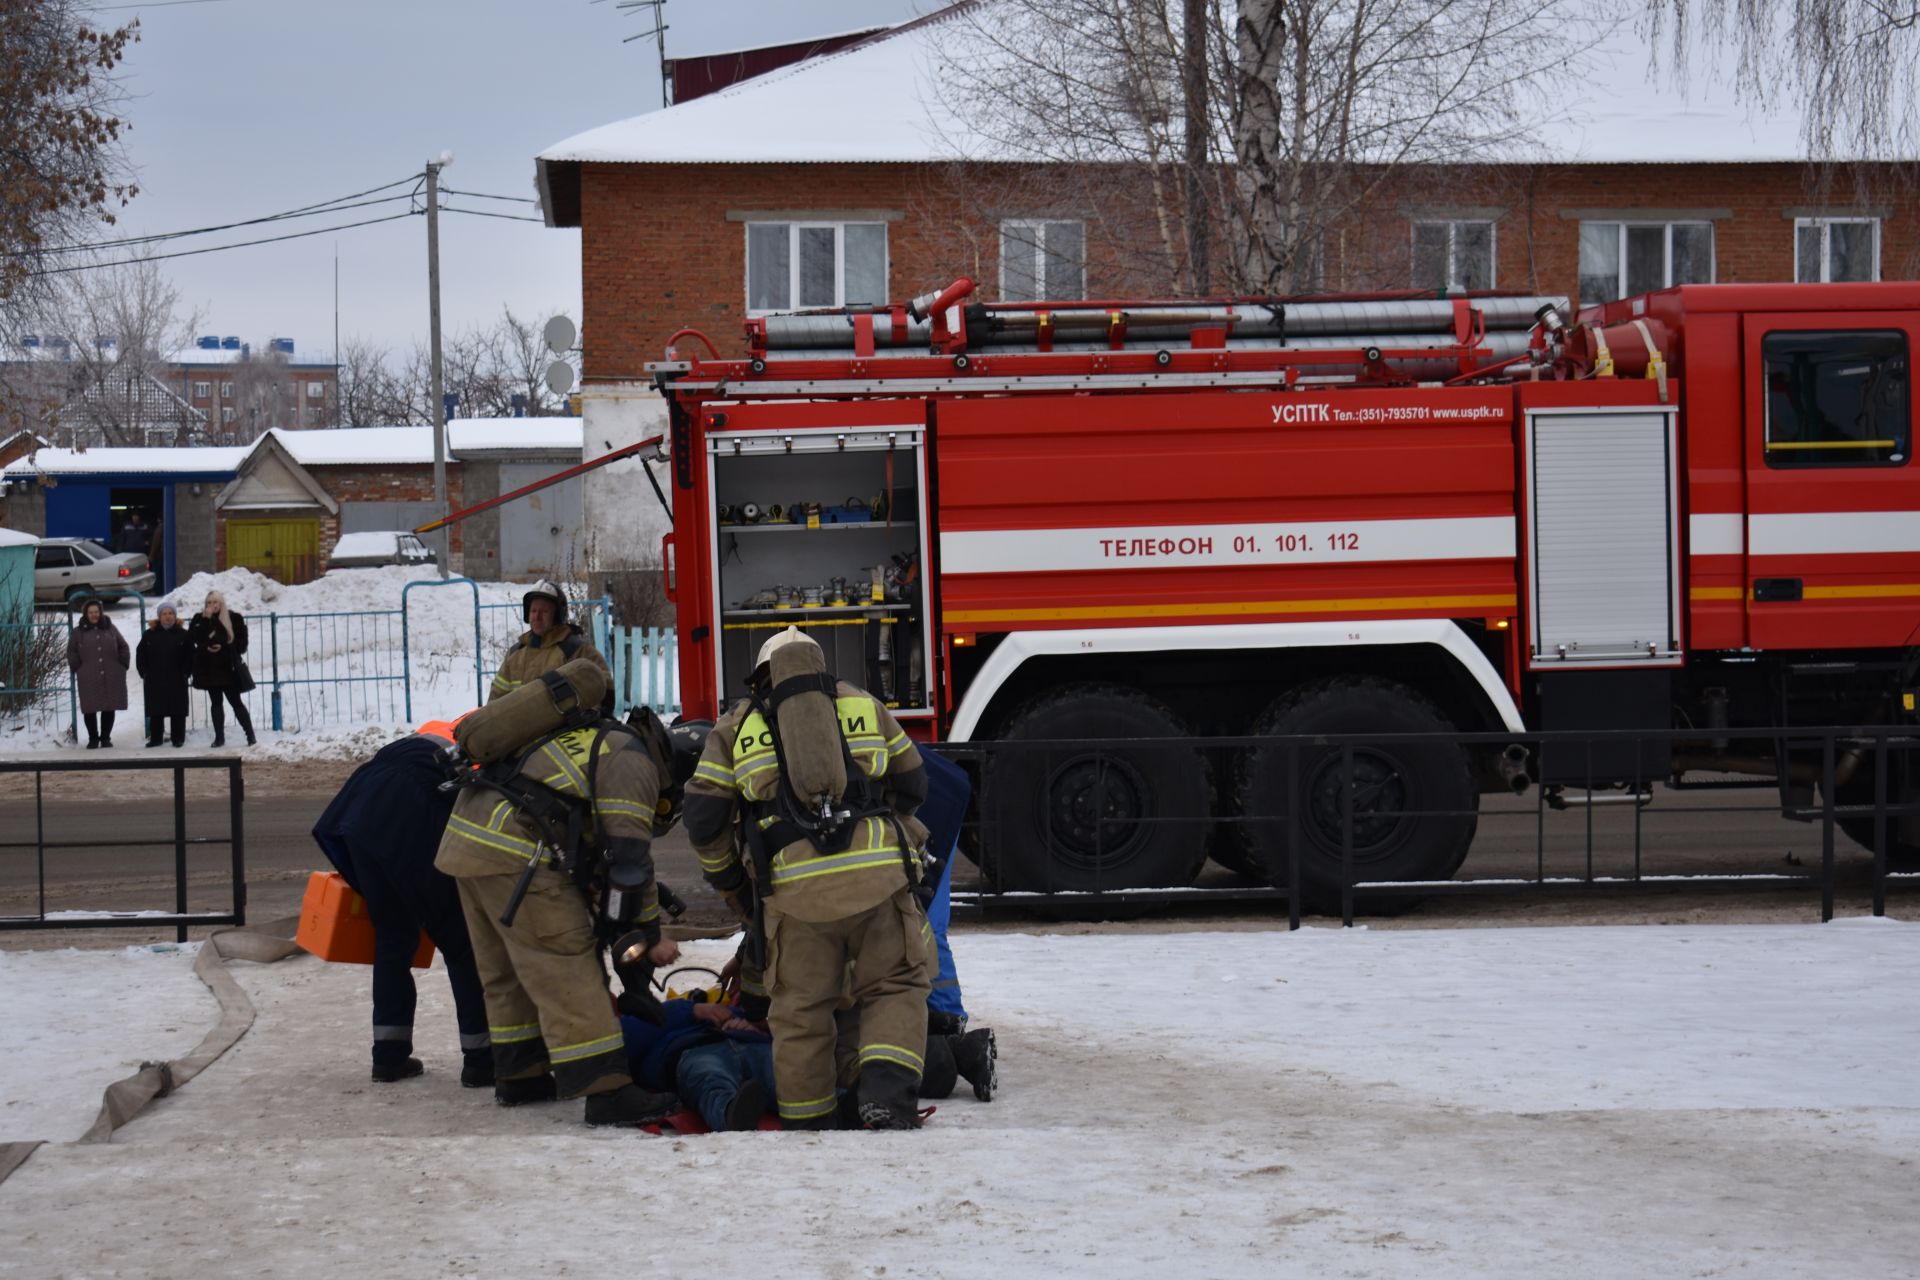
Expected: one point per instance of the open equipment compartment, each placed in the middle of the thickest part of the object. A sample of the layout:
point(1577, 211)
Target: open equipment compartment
point(824, 529)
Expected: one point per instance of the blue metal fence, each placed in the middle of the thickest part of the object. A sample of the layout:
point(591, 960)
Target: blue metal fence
point(377, 666)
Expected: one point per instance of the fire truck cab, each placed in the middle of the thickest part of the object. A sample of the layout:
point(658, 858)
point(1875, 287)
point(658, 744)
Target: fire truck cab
point(1393, 514)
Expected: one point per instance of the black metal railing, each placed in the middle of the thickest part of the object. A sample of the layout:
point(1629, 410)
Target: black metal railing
point(97, 917)
point(1861, 780)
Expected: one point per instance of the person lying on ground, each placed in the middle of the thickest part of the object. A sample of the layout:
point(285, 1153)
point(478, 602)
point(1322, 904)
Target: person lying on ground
point(720, 1064)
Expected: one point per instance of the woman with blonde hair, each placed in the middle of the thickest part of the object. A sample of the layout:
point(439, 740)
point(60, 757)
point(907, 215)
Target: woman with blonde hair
point(219, 664)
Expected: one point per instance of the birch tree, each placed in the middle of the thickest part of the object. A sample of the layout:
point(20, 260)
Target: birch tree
point(1307, 111)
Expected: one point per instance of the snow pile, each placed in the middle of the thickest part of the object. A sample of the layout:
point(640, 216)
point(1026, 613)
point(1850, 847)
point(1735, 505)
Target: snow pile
point(343, 655)
point(1599, 1101)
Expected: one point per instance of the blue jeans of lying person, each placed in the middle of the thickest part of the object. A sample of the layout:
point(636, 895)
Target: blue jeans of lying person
point(709, 1075)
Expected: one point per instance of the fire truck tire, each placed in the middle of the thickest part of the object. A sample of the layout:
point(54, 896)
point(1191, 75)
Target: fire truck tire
point(1392, 780)
point(1900, 856)
point(1036, 807)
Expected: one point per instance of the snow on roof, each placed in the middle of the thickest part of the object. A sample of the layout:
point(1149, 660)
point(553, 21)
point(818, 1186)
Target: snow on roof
point(377, 446)
point(224, 356)
point(823, 110)
point(874, 101)
point(15, 538)
point(208, 459)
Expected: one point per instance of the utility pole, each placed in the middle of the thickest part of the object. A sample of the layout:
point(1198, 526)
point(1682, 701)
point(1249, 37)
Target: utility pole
point(435, 405)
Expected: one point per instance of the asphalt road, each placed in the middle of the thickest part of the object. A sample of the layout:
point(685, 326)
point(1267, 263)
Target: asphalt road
point(1680, 834)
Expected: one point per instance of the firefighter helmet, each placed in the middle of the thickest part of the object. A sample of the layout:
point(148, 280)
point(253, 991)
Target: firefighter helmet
point(780, 640)
point(551, 592)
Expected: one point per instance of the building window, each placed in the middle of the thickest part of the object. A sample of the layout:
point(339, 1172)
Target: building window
point(1043, 258)
point(1453, 255)
point(226, 391)
point(1836, 399)
point(201, 390)
point(1831, 249)
point(794, 265)
point(316, 390)
point(1622, 259)
point(226, 415)
point(314, 414)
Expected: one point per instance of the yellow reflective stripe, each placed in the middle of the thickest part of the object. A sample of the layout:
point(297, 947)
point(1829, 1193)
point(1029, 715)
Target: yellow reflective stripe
point(716, 773)
point(810, 1109)
point(623, 808)
point(716, 861)
point(650, 911)
point(585, 1049)
point(502, 684)
point(741, 774)
point(515, 1035)
point(755, 987)
point(891, 1053)
point(861, 860)
point(568, 769)
point(500, 840)
point(897, 745)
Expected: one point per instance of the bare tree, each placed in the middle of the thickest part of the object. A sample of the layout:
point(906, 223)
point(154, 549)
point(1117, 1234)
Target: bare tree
point(1309, 109)
point(263, 395)
point(1851, 68)
point(101, 369)
point(59, 131)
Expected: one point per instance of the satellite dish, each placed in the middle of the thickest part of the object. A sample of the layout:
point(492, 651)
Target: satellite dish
point(560, 377)
point(560, 335)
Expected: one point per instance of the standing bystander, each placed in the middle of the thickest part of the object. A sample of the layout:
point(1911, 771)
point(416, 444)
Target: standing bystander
point(165, 662)
point(97, 655)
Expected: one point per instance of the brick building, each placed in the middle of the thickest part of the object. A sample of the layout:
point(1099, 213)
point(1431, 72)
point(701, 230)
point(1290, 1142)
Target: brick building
point(245, 392)
point(798, 188)
point(296, 493)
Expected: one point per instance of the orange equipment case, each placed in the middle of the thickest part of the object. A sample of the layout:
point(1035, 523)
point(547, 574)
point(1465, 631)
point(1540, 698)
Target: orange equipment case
point(334, 924)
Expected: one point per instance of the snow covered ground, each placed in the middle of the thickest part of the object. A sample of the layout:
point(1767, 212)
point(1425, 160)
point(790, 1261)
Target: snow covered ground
point(1608, 1101)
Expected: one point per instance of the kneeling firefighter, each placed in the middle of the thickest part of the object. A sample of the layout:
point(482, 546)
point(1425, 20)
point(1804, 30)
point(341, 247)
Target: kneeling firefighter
point(550, 842)
point(822, 783)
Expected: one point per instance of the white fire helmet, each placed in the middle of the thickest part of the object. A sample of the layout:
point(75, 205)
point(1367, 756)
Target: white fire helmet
point(780, 640)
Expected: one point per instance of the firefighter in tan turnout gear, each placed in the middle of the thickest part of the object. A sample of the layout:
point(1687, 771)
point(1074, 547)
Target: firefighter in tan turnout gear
point(557, 809)
point(819, 782)
point(550, 642)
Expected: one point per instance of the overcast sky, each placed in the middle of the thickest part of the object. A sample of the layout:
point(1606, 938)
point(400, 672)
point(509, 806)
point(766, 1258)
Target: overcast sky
point(248, 107)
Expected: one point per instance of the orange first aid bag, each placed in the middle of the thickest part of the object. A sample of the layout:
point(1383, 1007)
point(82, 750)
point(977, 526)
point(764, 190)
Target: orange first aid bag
point(334, 924)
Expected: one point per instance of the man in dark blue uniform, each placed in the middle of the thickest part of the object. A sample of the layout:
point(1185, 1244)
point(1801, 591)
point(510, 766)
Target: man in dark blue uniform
point(381, 832)
point(952, 1050)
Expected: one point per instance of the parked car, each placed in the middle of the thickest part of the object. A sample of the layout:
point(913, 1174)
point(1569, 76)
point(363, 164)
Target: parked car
point(374, 549)
point(69, 568)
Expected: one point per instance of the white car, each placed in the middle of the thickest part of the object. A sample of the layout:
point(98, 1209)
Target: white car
point(371, 550)
point(70, 569)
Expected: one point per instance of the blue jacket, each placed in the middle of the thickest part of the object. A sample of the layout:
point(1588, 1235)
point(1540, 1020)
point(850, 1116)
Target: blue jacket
point(392, 808)
point(653, 1052)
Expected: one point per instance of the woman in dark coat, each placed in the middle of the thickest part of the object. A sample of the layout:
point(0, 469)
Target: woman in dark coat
point(219, 649)
point(165, 662)
point(97, 655)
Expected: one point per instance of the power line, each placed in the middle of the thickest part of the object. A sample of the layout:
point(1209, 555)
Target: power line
point(481, 195)
point(218, 248)
point(152, 4)
point(336, 205)
point(479, 213)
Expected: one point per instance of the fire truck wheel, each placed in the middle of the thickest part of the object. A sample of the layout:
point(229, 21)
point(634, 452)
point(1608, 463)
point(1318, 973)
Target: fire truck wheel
point(1084, 818)
point(1392, 782)
point(1900, 856)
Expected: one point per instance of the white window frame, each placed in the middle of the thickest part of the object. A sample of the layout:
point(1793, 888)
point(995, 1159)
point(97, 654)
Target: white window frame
point(1039, 245)
point(226, 414)
point(201, 390)
point(1666, 246)
point(793, 261)
point(316, 390)
point(1826, 243)
point(1453, 225)
point(226, 391)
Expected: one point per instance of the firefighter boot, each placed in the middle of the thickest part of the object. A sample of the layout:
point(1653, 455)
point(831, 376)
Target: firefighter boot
point(941, 1072)
point(518, 1093)
point(388, 1072)
point(976, 1056)
point(630, 1105)
point(887, 1097)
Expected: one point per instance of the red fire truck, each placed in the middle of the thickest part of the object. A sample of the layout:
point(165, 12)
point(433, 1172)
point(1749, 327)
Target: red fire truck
point(1389, 514)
